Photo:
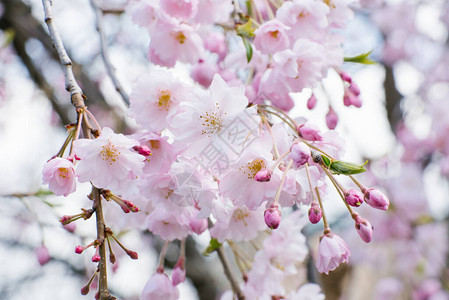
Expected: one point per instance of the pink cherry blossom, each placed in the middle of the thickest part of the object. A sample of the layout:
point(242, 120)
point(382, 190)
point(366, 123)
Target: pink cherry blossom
point(183, 9)
point(376, 199)
point(364, 229)
point(306, 18)
point(172, 41)
point(160, 287)
point(59, 173)
point(300, 154)
point(108, 161)
point(354, 197)
point(271, 37)
point(241, 224)
point(155, 98)
point(214, 11)
point(315, 213)
point(207, 115)
point(169, 224)
point(332, 251)
point(272, 216)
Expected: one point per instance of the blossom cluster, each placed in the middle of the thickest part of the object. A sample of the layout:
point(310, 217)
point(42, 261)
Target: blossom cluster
point(222, 153)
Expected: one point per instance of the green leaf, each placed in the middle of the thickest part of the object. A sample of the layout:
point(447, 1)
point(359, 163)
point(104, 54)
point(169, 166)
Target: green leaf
point(249, 49)
point(246, 30)
point(8, 37)
point(346, 168)
point(326, 160)
point(361, 59)
point(213, 245)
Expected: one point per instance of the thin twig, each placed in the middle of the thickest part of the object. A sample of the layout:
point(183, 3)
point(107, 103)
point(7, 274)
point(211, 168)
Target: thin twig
point(70, 83)
point(105, 54)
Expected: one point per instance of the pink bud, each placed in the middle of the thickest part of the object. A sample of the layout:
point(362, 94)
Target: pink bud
point(354, 88)
point(70, 227)
point(85, 290)
point(65, 219)
point(132, 254)
point(376, 199)
point(311, 103)
point(331, 119)
point(143, 150)
point(315, 213)
point(198, 225)
point(354, 198)
point(309, 132)
point(42, 255)
point(300, 153)
point(125, 208)
point(272, 216)
point(96, 258)
point(178, 275)
point(351, 99)
point(364, 229)
point(345, 77)
point(79, 249)
point(263, 175)
point(131, 206)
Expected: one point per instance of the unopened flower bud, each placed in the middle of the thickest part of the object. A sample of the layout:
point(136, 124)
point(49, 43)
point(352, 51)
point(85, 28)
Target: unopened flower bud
point(96, 257)
point(70, 227)
point(354, 88)
point(315, 213)
point(85, 290)
point(263, 175)
point(198, 225)
point(143, 150)
point(345, 77)
point(350, 99)
point(179, 272)
point(132, 254)
point(376, 199)
point(354, 198)
point(331, 119)
point(309, 132)
point(300, 153)
point(311, 103)
point(364, 229)
point(272, 216)
point(79, 249)
point(65, 220)
point(42, 255)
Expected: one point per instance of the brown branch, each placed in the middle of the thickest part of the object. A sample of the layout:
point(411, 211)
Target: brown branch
point(76, 96)
point(392, 99)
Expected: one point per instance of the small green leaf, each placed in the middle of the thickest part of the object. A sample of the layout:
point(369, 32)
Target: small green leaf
point(246, 30)
point(346, 168)
point(8, 37)
point(249, 49)
point(361, 59)
point(326, 160)
point(213, 245)
point(43, 193)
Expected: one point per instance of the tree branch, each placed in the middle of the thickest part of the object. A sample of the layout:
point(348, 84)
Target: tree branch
point(105, 54)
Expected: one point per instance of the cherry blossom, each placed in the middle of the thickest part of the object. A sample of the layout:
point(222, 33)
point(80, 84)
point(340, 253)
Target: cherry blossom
point(332, 251)
point(160, 287)
point(155, 99)
point(108, 161)
point(59, 174)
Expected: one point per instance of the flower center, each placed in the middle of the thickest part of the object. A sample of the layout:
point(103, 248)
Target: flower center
point(240, 215)
point(63, 172)
point(251, 168)
point(274, 34)
point(211, 121)
point(164, 100)
point(303, 14)
point(329, 3)
point(109, 153)
point(155, 144)
point(180, 37)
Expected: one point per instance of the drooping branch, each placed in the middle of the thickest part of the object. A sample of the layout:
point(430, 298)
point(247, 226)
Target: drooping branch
point(77, 98)
point(105, 53)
